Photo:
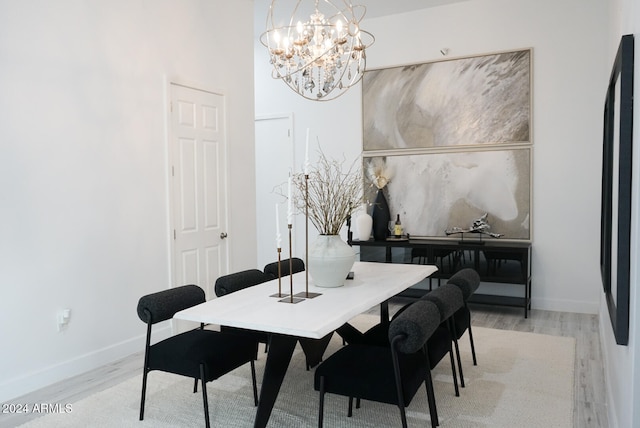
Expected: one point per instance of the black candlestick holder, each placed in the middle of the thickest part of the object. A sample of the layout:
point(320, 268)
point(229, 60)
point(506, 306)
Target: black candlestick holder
point(291, 298)
point(279, 293)
point(306, 293)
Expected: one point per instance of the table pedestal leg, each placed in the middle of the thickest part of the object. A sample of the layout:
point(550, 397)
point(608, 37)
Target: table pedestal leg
point(280, 352)
point(384, 313)
point(314, 349)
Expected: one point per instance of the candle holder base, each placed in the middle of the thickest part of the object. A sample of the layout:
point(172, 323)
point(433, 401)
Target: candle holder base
point(307, 295)
point(279, 295)
point(291, 300)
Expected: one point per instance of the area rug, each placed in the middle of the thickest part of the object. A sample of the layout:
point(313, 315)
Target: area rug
point(521, 380)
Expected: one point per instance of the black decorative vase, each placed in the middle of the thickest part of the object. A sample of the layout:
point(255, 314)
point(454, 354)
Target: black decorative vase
point(381, 217)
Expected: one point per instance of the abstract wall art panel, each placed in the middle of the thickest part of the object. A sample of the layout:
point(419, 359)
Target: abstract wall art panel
point(434, 192)
point(479, 100)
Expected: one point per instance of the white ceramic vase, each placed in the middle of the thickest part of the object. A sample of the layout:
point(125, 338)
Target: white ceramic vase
point(364, 222)
point(330, 260)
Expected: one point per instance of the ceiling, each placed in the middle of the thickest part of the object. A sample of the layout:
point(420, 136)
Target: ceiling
point(377, 8)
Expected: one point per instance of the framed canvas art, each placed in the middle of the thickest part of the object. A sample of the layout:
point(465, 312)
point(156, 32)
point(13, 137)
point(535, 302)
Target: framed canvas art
point(435, 192)
point(471, 101)
point(456, 136)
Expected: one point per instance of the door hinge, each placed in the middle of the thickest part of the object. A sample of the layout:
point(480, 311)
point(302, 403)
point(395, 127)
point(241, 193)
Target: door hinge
point(174, 234)
point(173, 171)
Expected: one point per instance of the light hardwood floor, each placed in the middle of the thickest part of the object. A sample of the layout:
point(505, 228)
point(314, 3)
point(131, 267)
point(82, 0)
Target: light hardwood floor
point(590, 409)
point(590, 399)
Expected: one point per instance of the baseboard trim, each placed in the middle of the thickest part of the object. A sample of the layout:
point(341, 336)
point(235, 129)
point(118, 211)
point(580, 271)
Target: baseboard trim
point(33, 381)
point(558, 305)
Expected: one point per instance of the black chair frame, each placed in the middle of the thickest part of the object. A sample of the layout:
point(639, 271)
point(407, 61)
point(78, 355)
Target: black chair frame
point(199, 338)
point(415, 353)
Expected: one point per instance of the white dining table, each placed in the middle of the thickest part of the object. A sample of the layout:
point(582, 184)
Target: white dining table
point(256, 308)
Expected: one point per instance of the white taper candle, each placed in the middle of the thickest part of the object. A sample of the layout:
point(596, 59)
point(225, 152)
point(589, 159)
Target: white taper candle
point(290, 205)
point(306, 155)
point(278, 235)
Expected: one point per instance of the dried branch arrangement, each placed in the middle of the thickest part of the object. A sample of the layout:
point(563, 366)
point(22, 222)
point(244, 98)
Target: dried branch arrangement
point(334, 193)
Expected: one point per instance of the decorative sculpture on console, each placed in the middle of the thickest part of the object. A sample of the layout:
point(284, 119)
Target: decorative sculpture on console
point(380, 174)
point(479, 225)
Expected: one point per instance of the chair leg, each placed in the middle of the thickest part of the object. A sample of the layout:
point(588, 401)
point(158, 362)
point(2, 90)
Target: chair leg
point(452, 329)
point(321, 405)
point(145, 369)
point(403, 415)
point(350, 410)
point(357, 402)
point(253, 379)
point(455, 343)
point(453, 371)
point(431, 396)
point(433, 408)
point(144, 392)
point(195, 385)
point(431, 400)
point(398, 379)
point(473, 348)
point(204, 396)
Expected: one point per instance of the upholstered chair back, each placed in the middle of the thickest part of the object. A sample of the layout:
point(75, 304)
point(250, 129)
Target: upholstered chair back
point(415, 325)
point(239, 280)
point(447, 298)
point(162, 305)
point(467, 280)
point(297, 265)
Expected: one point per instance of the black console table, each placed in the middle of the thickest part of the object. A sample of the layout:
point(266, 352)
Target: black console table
point(495, 260)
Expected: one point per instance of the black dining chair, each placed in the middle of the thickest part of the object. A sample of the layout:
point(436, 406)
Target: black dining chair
point(468, 281)
point(199, 354)
point(449, 300)
point(388, 374)
point(296, 265)
point(236, 281)
point(440, 344)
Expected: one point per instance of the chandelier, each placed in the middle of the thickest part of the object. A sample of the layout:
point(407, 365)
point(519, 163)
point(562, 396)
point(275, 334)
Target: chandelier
point(317, 53)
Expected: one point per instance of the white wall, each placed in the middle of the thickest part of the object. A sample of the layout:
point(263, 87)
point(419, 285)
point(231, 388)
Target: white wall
point(622, 363)
point(83, 169)
point(569, 41)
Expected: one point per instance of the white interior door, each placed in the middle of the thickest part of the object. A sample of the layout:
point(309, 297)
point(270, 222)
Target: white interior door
point(198, 153)
point(274, 160)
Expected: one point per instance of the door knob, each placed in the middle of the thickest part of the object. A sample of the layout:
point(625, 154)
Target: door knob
point(223, 235)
